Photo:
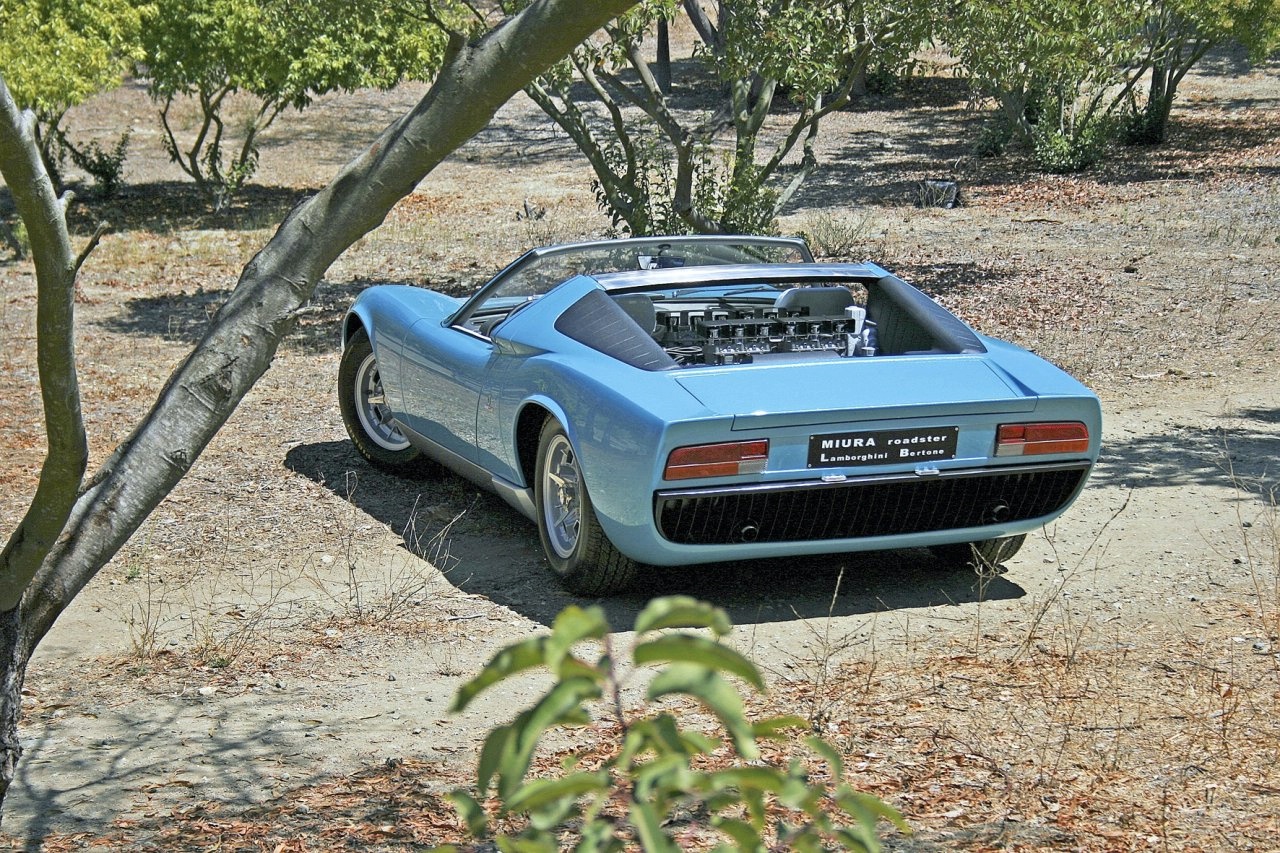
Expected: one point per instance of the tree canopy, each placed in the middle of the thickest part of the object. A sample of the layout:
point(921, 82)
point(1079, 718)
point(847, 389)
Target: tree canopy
point(1068, 75)
point(56, 53)
point(1176, 34)
point(94, 42)
point(277, 54)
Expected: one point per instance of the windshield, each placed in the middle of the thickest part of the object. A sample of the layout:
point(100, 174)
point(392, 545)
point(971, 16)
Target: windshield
point(540, 270)
point(560, 264)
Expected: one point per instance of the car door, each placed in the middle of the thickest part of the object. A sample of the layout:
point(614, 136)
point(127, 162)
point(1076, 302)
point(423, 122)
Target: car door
point(442, 373)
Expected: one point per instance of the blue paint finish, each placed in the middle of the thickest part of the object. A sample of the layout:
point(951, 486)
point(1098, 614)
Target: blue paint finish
point(459, 374)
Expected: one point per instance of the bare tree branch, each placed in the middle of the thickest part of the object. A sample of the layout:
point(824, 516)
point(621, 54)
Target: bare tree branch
point(88, 249)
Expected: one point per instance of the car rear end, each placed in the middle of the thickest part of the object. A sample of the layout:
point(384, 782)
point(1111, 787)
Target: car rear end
point(856, 455)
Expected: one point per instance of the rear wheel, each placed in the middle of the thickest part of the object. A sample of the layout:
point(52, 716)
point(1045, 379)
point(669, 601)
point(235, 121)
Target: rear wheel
point(987, 553)
point(365, 411)
point(576, 547)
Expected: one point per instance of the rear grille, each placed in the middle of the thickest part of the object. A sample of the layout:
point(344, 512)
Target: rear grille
point(870, 506)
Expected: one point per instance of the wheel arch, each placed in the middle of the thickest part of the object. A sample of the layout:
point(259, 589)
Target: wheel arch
point(352, 323)
point(528, 429)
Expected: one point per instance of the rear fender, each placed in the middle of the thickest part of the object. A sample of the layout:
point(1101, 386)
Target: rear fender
point(617, 447)
point(541, 408)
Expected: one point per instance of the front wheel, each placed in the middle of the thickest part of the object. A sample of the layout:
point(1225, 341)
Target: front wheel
point(365, 412)
point(985, 554)
point(576, 547)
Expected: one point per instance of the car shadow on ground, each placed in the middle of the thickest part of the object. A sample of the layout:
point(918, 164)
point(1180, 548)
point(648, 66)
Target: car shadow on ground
point(487, 548)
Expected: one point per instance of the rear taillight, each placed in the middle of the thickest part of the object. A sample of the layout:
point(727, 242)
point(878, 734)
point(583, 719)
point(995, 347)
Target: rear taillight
point(1038, 439)
point(717, 460)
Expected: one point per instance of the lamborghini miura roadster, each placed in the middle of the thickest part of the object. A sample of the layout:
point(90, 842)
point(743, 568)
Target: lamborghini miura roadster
point(685, 400)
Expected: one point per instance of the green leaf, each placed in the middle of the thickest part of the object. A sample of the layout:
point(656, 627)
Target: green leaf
point(550, 816)
point(799, 794)
point(868, 809)
point(699, 650)
point(563, 700)
point(696, 743)
point(657, 734)
point(774, 727)
point(743, 834)
point(681, 611)
point(754, 801)
point(513, 659)
point(597, 837)
point(857, 839)
point(495, 745)
point(470, 811)
point(648, 824)
point(539, 792)
point(714, 692)
point(664, 774)
point(572, 625)
point(805, 841)
point(828, 752)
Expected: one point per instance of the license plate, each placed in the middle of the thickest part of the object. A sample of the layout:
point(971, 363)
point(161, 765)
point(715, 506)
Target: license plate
point(882, 447)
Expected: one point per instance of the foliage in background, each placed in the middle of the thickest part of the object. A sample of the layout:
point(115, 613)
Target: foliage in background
point(662, 168)
point(1067, 74)
point(1177, 34)
point(659, 784)
point(104, 165)
point(55, 54)
point(276, 53)
point(1052, 66)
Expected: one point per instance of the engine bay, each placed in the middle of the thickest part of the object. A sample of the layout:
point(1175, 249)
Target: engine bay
point(745, 319)
point(719, 335)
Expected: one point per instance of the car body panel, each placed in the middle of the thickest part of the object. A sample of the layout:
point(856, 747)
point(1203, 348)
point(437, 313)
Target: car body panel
point(462, 375)
point(442, 384)
point(869, 389)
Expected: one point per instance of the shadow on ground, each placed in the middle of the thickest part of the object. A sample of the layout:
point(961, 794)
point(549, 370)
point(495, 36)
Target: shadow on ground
point(184, 317)
point(487, 548)
point(167, 207)
point(1242, 456)
point(99, 781)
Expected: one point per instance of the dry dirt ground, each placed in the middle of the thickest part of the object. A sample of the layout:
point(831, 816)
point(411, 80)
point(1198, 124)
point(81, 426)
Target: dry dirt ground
point(267, 664)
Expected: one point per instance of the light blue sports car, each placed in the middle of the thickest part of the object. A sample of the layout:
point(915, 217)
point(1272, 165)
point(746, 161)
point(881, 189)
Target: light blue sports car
point(684, 400)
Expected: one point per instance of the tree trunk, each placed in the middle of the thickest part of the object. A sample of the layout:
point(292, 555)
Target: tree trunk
point(475, 81)
point(1154, 121)
point(67, 446)
point(13, 669)
point(662, 65)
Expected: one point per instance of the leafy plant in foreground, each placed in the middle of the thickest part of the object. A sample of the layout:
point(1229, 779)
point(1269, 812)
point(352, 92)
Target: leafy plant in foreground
point(660, 776)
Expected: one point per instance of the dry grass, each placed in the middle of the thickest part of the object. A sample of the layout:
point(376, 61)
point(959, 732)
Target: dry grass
point(1101, 736)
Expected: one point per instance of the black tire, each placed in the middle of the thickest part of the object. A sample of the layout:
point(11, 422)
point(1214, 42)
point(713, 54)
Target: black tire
point(985, 554)
point(365, 414)
point(576, 547)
